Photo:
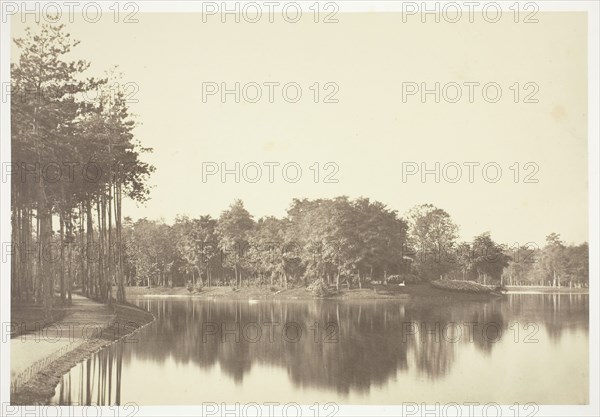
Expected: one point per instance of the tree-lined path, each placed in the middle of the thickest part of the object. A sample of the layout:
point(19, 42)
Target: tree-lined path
point(32, 352)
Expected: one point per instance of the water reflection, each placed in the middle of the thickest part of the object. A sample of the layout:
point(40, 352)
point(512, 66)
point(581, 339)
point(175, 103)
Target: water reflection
point(352, 352)
point(96, 381)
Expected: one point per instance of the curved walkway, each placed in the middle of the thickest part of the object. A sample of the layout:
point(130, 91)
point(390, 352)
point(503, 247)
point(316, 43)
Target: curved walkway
point(30, 353)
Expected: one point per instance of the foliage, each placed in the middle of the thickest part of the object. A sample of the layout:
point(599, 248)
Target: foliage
point(405, 278)
point(556, 264)
point(319, 288)
point(432, 235)
point(194, 288)
point(76, 160)
point(333, 241)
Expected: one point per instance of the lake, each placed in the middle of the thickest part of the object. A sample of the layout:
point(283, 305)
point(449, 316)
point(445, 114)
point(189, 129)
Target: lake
point(521, 348)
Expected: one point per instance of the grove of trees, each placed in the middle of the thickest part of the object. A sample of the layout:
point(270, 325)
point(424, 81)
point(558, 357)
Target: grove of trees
point(73, 160)
point(339, 241)
point(556, 264)
point(330, 239)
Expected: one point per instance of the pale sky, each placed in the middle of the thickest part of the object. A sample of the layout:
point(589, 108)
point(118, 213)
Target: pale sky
point(370, 132)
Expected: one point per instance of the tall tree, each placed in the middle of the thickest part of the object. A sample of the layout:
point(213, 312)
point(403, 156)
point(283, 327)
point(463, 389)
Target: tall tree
point(432, 235)
point(489, 259)
point(44, 110)
point(233, 230)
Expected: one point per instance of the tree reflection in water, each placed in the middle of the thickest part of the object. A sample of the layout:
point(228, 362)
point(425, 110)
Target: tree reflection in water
point(358, 345)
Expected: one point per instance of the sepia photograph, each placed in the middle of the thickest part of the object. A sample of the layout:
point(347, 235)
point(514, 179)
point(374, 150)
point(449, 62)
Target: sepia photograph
point(320, 208)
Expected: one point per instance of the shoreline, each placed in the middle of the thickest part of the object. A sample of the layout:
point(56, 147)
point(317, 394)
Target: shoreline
point(416, 292)
point(421, 293)
point(40, 388)
point(128, 318)
point(524, 289)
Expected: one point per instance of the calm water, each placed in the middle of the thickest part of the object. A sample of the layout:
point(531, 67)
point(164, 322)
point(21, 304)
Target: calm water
point(523, 348)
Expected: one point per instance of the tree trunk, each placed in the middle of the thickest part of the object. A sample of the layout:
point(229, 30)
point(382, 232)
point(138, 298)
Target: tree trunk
point(44, 259)
point(15, 277)
point(62, 258)
point(69, 273)
point(90, 241)
point(121, 278)
point(101, 252)
point(111, 266)
point(38, 277)
point(82, 252)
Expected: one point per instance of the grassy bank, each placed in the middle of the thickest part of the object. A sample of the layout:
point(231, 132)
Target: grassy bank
point(267, 293)
point(40, 388)
point(415, 292)
point(30, 317)
point(462, 286)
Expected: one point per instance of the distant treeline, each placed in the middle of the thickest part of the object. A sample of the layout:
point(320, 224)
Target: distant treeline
point(338, 241)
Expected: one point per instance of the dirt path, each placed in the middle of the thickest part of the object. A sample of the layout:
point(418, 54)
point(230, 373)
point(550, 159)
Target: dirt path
point(40, 359)
point(30, 353)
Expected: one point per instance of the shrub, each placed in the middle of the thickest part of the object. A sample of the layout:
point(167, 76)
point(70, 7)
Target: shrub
point(462, 286)
point(410, 278)
point(319, 288)
point(406, 278)
point(194, 288)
